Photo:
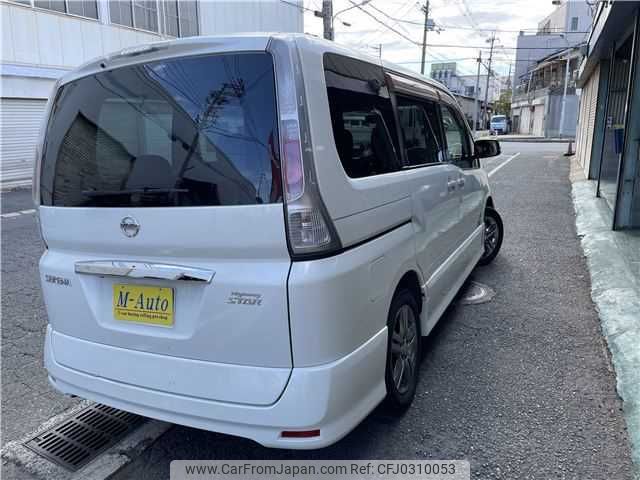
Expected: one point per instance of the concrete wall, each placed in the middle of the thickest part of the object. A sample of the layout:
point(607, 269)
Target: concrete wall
point(553, 114)
point(36, 42)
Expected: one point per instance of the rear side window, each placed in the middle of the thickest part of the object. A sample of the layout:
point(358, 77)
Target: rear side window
point(420, 143)
point(362, 116)
point(195, 131)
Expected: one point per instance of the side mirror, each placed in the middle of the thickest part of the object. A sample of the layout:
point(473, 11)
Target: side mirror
point(487, 148)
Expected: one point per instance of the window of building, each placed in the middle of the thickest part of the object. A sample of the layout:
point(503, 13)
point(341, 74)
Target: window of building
point(121, 12)
point(362, 117)
point(145, 15)
point(171, 22)
point(574, 24)
point(55, 5)
point(457, 148)
point(420, 144)
point(142, 14)
point(84, 8)
point(188, 14)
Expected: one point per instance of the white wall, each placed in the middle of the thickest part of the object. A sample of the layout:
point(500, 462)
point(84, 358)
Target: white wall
point(229, 16)
point(35, 39)
point(41, 37)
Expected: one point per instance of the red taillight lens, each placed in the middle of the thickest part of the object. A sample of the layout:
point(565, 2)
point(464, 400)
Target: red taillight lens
point(293, 169)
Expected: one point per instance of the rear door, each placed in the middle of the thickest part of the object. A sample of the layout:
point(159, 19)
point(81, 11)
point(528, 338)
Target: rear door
point(161, 205)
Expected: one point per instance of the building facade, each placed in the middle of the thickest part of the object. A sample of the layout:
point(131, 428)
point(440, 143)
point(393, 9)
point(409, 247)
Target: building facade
point(545, 98)
point(44, 39)
point(464, 88)
point(547, 105)
point(608, 142)
point(568, 25)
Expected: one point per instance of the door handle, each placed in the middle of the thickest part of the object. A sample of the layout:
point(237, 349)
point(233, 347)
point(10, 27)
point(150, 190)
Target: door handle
point(451, 185)
point(461, 182)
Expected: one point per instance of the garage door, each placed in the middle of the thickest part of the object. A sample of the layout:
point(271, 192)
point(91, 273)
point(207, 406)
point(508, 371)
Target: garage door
point(20, 124)
point(587, 120)
point(525, 120)
point(538, 121)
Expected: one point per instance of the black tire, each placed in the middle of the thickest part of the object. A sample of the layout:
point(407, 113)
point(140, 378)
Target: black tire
point(493, 236)
point(404, 349)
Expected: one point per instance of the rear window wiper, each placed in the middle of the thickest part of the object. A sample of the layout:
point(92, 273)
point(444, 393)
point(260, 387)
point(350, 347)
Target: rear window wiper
point(132, 191)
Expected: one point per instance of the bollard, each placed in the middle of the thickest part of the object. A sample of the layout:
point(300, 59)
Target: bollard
point(570, 151)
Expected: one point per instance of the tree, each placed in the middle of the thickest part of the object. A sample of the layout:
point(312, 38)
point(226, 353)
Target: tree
point(503, 105)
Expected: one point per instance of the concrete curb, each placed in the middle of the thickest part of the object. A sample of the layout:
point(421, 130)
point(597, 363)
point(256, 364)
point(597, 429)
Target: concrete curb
point(615, 290)
point(20, 462)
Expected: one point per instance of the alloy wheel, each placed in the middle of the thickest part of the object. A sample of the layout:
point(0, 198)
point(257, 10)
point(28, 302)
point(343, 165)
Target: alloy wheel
point(404, 348)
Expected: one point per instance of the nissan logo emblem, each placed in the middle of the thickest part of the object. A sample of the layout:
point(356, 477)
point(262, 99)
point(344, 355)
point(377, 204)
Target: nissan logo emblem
point(129, 226)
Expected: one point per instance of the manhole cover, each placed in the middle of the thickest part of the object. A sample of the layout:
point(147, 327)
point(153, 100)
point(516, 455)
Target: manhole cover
point(78, 440)
point(474, 293)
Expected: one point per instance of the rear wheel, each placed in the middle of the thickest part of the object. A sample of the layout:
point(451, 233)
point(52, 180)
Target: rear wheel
point(403, 351)
point(493, 235)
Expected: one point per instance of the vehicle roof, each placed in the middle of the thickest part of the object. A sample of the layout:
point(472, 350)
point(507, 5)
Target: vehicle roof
point(231, 43)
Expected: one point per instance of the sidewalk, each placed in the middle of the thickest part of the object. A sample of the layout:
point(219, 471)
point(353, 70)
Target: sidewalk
point(522, 138)
point(614, 265)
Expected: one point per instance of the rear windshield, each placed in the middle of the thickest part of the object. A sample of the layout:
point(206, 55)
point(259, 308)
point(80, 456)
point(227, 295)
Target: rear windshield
point(498, 118)
point(192, 131)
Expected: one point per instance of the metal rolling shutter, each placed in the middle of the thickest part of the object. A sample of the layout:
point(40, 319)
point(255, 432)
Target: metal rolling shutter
point(586, 127)
point(20, 124)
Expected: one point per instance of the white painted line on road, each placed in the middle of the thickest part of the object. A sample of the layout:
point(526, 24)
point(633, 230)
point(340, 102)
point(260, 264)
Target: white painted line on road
point(492, 172)
point(17, 214)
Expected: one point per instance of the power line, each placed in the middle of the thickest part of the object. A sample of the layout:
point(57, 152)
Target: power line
point(384, 24)
point(298, 6)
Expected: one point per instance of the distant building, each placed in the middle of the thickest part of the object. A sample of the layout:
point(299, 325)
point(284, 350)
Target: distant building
point(539, 105)
point(464, 87)
point(44, 39)
point(543, 106)
point(566, 26)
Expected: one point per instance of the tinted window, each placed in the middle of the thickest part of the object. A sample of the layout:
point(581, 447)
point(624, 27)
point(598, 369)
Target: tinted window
point(362, 116)
point(420, 142)
point(455, 136)
point(191, 131)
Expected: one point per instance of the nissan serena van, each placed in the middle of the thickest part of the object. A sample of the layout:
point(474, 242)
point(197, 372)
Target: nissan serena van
point(250, 234)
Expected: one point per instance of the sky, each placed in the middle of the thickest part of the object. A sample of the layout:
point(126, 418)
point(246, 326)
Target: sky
point(462, 22)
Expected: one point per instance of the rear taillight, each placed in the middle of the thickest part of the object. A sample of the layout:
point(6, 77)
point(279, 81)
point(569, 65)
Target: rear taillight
point(309, 229)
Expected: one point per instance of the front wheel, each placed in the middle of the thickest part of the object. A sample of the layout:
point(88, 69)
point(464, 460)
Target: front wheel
point(493, 235)
point(403, 351)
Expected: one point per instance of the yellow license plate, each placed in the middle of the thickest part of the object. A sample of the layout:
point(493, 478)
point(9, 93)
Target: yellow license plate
point(143, 304)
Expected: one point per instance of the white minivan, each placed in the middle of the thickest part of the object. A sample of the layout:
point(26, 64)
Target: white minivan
point(250, 234)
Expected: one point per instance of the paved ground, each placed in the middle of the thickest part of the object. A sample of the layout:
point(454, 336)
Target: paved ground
point(27, 398)
point(521, 386)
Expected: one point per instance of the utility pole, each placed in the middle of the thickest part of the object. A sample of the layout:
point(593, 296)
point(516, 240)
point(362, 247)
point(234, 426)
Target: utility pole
point(486, 90)
point(564, 96)
point(475, 91)
point(327, 19)
point(424, 35)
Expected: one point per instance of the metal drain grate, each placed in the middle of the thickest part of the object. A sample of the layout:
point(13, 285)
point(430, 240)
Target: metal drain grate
point(78, 440)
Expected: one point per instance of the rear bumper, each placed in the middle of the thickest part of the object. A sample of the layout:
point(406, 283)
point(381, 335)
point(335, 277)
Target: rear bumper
point(333, 397)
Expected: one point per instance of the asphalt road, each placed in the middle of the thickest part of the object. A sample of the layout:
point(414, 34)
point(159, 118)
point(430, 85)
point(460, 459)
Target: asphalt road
point(521, 386)
point(27, 399)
